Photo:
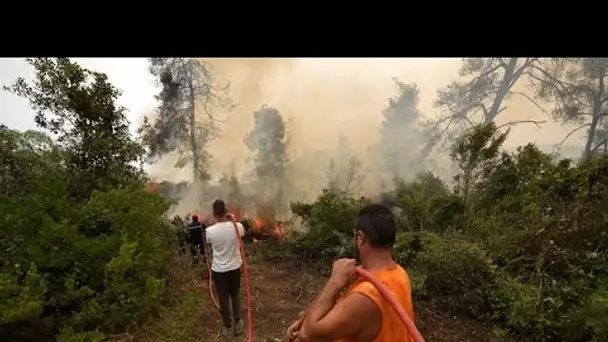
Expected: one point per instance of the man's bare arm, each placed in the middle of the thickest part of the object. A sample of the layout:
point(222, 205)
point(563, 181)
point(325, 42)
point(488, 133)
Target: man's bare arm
point(327, 321)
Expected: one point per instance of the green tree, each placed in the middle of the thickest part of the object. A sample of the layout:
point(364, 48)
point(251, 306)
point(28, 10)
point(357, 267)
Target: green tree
point(78, 105)
point(185, 121)
point(473, 153)
point(84, 247)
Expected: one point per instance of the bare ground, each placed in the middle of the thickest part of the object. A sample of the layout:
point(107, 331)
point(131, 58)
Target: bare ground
point(280, 291)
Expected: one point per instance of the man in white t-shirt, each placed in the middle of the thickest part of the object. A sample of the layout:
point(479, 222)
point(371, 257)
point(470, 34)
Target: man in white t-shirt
point(226, 267)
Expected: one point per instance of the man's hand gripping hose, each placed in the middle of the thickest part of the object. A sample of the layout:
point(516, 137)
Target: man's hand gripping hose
point(384, 291)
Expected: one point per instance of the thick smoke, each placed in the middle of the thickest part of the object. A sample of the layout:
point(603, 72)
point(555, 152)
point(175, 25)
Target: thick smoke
point(324, 99)
point(268, 143)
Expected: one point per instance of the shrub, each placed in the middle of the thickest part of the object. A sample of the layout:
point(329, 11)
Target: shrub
point(74, 269)
point(331, 219)
point(454, 273)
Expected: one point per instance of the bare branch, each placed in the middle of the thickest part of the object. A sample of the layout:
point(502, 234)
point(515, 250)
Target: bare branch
point(537, 123)
point(561, 143)
point(531, 100)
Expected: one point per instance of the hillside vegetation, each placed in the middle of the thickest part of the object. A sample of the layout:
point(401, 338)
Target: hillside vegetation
point(520, 242)
point(516, 245)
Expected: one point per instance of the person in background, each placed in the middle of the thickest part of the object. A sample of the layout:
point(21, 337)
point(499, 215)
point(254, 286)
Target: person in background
point(226, 267)
point(361, 314)
point(196, 232)
point(180, 234)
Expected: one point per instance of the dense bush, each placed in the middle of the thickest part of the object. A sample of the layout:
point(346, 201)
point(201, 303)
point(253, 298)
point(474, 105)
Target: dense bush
point(521, 241)
point(331, 222)
point(80, 266)
point(456, 274)
point(84, 247)
point(427, 204)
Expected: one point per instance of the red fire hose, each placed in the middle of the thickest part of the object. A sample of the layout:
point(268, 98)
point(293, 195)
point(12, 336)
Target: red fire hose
point(384, 291)
point(209, 281)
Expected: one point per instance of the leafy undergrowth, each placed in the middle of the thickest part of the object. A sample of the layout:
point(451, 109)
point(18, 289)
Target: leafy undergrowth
point(280, 291)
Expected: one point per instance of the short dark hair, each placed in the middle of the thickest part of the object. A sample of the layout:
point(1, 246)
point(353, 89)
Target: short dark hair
point(194, 217)
point(219, 208)
point(378, 224)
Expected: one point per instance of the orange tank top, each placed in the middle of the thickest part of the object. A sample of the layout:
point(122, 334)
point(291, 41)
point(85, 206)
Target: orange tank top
point(398, 282)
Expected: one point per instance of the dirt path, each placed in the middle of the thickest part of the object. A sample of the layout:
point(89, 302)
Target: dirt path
point(277, 299)
point(279, 292)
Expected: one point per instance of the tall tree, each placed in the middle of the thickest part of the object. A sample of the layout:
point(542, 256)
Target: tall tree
point(473, 153)
point(185, 122)
point(268, 141)
point(579, 89)
point(401, 134)
point(79, 107)
point(480, 97)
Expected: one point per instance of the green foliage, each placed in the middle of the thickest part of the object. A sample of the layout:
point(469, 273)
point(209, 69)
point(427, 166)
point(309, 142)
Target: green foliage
point(21, 297)
point(454, 273)
point(474, 153)
point(84, 247)
point(529, 254)
point(94, 265)
point(79, 106)
point(331, 219)
point(427, 204)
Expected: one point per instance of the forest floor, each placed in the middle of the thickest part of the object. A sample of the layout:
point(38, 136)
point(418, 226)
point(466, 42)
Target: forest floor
point(280, 291)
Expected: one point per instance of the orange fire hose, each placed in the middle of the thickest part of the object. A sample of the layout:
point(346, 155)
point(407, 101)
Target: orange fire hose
point(384, 291)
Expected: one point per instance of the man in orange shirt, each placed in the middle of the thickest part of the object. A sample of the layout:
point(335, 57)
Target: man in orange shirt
point(362, 314)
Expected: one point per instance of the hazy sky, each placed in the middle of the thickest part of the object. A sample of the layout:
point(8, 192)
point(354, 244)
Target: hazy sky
point(325, 97)
point(128, 74)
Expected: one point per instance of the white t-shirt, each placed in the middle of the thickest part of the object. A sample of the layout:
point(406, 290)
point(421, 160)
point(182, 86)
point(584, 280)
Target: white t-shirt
point(225, 245)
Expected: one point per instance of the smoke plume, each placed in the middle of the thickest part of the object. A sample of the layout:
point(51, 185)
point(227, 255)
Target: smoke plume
point(323, 99)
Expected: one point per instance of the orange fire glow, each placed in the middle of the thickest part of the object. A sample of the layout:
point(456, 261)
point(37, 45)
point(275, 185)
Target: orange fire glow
point(263, 227)
point(268, 227)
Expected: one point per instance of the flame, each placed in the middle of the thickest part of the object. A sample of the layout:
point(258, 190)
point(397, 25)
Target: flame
point(268, 227)
point(264, 226)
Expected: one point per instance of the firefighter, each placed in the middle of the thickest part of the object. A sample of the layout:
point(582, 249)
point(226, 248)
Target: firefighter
point(195, 233)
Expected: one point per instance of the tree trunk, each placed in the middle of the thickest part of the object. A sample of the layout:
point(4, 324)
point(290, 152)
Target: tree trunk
point(597, 114)
point(196, 160)
point(505, 85)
